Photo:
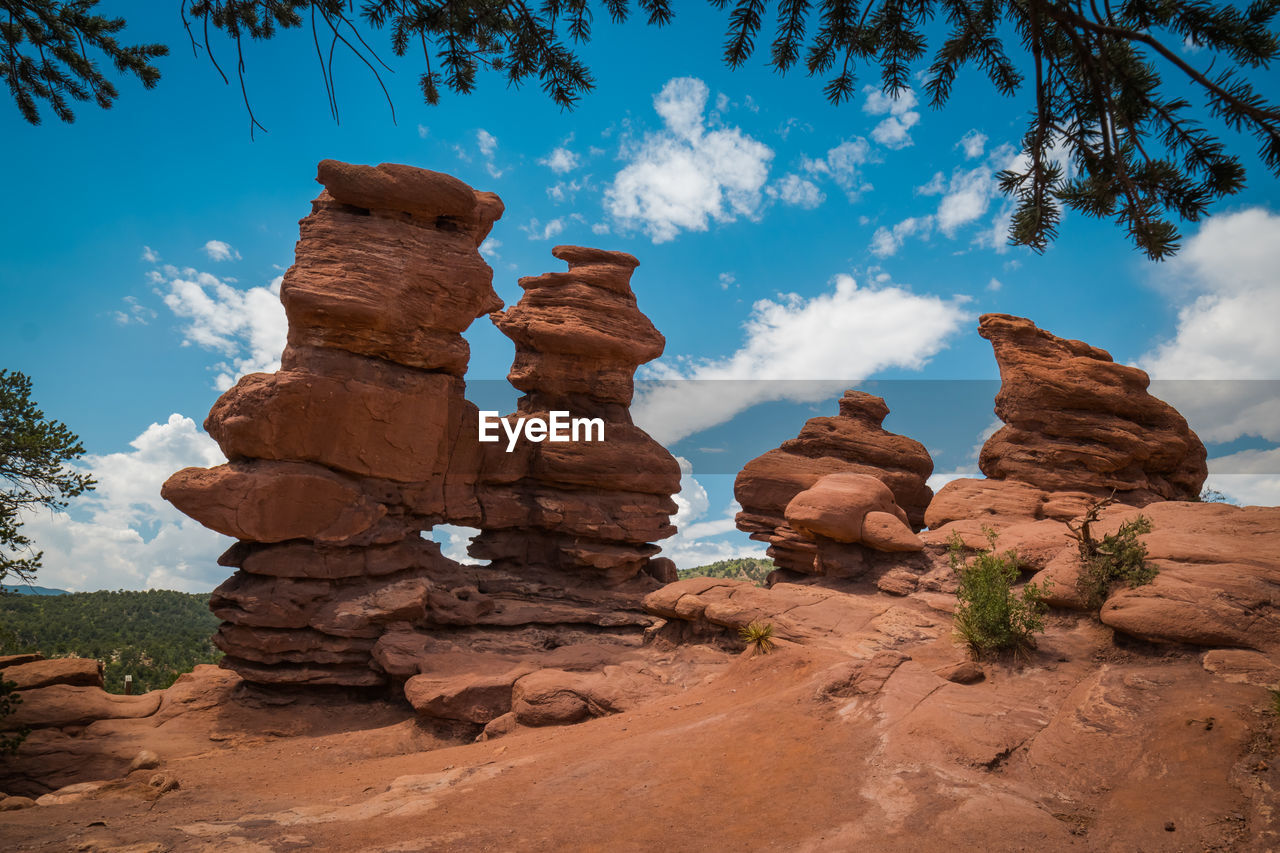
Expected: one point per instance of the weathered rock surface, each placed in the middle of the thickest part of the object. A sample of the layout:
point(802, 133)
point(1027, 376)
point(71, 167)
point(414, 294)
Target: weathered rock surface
point(843, 491)
point(1219, 572)
point(364, 439)
point(78, 672)
point(851, 442)
point(585, 506)
point(1077, 421)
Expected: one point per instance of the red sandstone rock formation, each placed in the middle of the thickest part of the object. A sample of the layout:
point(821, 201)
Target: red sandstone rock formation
point(343, 456)
point(1077, 421)
point(364, 439)
point(584, 506)
point(1078, 427)
point(852, 443)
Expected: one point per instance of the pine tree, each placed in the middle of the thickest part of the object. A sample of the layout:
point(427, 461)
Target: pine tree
point(1104, 136)
point(45, 52)
point(32, 471)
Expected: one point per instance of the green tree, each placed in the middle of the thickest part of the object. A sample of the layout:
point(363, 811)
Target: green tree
point(33, 453)
point(1105, 136)
point(47, 47)
point(990, 616)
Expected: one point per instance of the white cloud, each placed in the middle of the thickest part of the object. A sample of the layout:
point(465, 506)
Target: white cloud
point(726, 279)
point(994, 285)
point(973, 144)
point(795, 190)
point(562, 191)
point(1225, 279)
point(135, 313)
point(246, 327)
point(123, 535)
point(798, 349)
point(900, 116)
point(423, 131)
point(843, 164)
point(967, 198)
point(1227, 330)
point(1251, 477)
point(685, 176)
point(886, 241)
point(936, 186)
point(700, 541)
point(538, 231)
point(149, 255)
point(488, 144)
point(217, 251)
point(561, 161)
point(489, 249)
point(940, 478)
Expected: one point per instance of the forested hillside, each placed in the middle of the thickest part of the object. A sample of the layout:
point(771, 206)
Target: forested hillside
point(155, 635)
point(743, 568)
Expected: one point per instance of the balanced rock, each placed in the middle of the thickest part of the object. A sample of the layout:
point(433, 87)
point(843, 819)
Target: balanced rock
point(341, 458)
point(852, 441)
point(595, 504)
point(852, 508)
point(364, 439)
point(811, 498)
point(1077, 421)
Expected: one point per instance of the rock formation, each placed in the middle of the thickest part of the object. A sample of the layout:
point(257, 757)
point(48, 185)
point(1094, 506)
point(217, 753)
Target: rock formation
point(342, 457)
point(59, 700)
point(590, 506)
point(1078, 426)
point(1077, 421)
point(364, 439)
point(798, 482)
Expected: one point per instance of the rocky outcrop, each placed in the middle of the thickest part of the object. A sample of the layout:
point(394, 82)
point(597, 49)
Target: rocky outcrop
point(57, 700)
point(593, 505)
point(1219, 569)
point(842, 491)
point(364, 439)
point(1078, 428)
point(342, 457)
point(1077, 421)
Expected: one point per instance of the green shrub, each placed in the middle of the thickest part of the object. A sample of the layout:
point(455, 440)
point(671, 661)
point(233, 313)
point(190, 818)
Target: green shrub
point(990, 616)
point(758, 636)
point(1118, 558)
point(1275, 700)
point(10, 699)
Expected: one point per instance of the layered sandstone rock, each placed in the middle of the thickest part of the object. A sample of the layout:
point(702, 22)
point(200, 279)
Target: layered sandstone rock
point(1078, 428)
point(340, 459)
point(1219, 569)
point(811, 497)
point(364, 439)
point(1077, 421)
point(588, 506)
point(58, 700)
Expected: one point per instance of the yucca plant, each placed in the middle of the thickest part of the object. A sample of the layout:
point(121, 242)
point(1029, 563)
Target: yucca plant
point(758, 636)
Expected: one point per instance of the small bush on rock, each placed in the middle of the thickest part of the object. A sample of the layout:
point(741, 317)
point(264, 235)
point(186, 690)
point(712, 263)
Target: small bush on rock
point(990, 616)
point(1118, 558)
point(758, 636)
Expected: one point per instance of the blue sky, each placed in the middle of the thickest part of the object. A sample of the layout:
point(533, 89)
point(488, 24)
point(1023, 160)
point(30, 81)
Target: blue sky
point(780, 239)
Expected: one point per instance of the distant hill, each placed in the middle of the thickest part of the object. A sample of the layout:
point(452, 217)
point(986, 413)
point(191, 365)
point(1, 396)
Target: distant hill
point(23, 589)
point(155, 635)
point(752, 569)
